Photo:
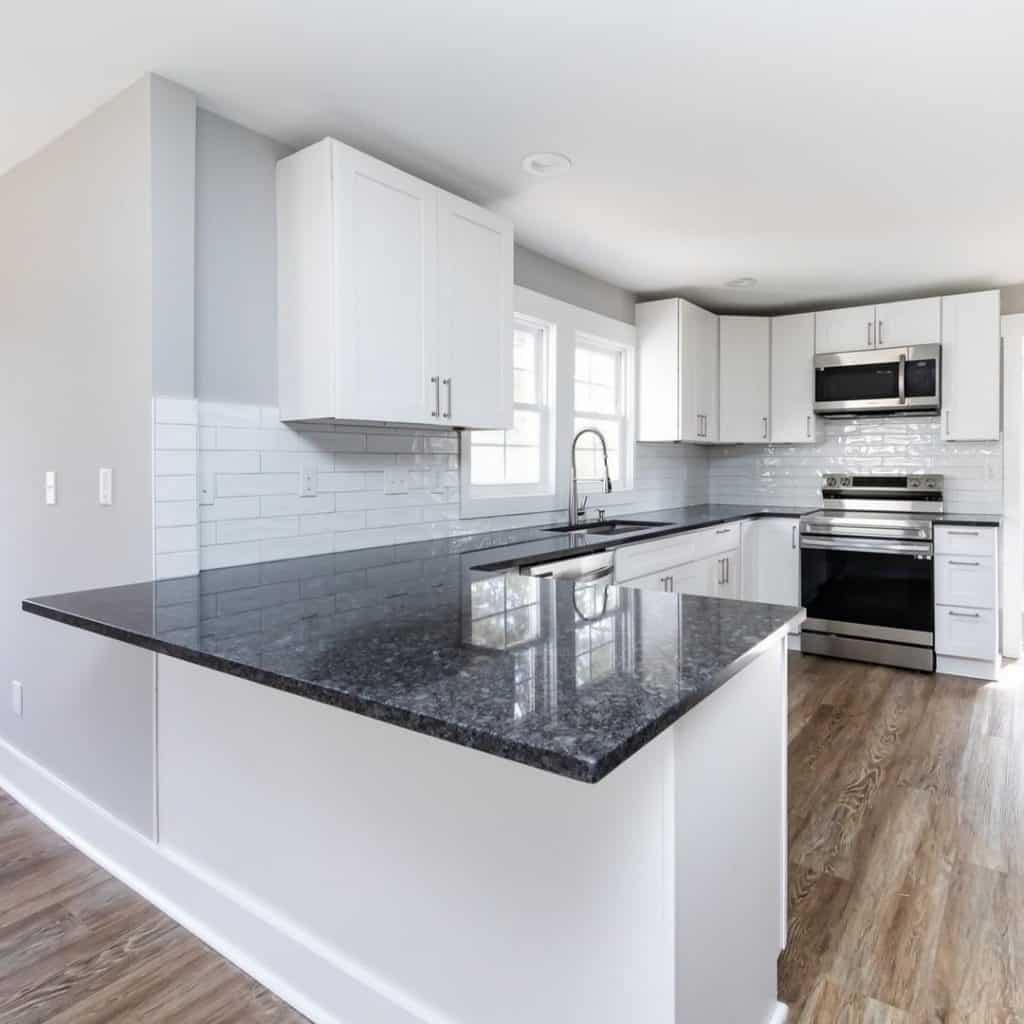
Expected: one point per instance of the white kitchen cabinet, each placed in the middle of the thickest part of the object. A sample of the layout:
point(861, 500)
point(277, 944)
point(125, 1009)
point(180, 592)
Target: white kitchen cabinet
point(744, 364)
point(971, 358)
point(394, 298)
point(474, 313)
point(792, 379)
point(843, 330)
point(771, 562)
point(914, 322)
point(677, 372)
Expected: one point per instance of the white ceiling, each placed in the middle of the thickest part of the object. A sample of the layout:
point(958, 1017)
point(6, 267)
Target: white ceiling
point(832, 150)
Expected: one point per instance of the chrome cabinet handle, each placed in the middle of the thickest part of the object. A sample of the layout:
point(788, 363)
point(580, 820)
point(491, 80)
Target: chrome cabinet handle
point(720, 532)
point(727, 560)
point(869, 335)
point(947, 423)
point(671, 585)
point(448, 402)
point(966, 615)
point(878, 332)
point(764, 420)
point(963, 533)
point(808, 426)
point(436, 381)
point(793, 542)
point(951, 562)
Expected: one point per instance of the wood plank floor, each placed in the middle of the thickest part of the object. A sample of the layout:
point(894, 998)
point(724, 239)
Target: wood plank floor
point(906, 877)
point(78, 947)
point(906, 847)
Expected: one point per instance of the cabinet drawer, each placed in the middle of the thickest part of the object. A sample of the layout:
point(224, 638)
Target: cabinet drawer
point(966, 540)
point(654, 556)
point(964, 581)
point(966, 632)
point(717, 540)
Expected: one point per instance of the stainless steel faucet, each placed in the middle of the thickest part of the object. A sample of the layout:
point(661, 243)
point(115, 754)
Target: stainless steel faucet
point(575, 509)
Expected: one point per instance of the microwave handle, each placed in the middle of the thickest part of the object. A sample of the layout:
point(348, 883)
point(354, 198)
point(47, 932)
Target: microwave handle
point(902, 378)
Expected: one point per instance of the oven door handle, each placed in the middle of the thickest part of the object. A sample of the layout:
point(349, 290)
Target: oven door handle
point(876, 547)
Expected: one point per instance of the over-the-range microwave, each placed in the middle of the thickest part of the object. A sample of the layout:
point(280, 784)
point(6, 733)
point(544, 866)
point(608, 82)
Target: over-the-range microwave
point(880, 380)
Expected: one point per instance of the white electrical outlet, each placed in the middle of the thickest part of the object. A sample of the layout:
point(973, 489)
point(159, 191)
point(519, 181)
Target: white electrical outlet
point(17, 698)
point(207, 487)
point(308, 481)
point(106, 486)
point(396, 481)
point(51, 487)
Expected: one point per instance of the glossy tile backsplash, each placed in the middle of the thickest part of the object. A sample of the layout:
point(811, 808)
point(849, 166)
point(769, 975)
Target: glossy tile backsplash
point(791, 474)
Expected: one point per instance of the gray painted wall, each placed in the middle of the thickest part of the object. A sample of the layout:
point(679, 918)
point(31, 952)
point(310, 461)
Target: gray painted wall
point(75, 394)
point(561, 282)
point(236, 273)
point(173, 139)
point(236, 268)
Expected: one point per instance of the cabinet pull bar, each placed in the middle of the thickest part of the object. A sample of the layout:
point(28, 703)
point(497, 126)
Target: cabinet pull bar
point(881, 324)
point(726, 530)
point(951, 562)
point(448, 402)
point(947, 423)
point(793, 541)
point(869, 334)
point(436, 381)
point(963, 533)
point(764, 419)
point(808, 426)
point(966, 615)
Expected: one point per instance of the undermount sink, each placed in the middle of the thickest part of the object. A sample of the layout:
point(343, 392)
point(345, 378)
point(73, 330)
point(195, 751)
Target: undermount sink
point(609, 527)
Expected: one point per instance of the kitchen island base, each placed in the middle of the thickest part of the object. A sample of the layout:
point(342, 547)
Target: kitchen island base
point(463, 888)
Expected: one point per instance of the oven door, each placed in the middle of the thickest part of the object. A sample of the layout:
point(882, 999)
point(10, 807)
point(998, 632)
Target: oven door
point(882, 380)
point(877, 590)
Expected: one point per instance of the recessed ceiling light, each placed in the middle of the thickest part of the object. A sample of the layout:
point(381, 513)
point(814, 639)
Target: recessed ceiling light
point(546, 165)
point(741, 282)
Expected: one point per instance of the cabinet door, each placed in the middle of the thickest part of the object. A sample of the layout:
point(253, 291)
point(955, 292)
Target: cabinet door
point(699, 578)
point(792, 390)
point(651, 581)
point(843, 330)
point(777, 563)
point(971, 347)
point(699, 335)
point(660, 405)
point(744, 363)
point(475, 314)
point(915, 322)
point(385, 265)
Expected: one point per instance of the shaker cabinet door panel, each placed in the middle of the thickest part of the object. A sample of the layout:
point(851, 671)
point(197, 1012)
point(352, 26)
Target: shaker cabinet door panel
point(744, 361)
point(971, 358)
point(843, 330)
point(792, 379)
point(914, 322)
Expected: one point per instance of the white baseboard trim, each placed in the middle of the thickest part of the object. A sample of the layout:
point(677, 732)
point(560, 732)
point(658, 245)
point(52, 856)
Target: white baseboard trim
point(295, 971)
point(779, 1015)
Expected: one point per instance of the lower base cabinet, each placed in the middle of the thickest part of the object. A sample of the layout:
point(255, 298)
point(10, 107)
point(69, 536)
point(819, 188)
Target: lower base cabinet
point(705, 563)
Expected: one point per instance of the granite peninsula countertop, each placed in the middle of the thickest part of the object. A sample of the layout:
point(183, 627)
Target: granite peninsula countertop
point(571, 678)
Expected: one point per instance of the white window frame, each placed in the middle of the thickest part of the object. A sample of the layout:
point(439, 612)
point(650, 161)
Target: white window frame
point(565, 322)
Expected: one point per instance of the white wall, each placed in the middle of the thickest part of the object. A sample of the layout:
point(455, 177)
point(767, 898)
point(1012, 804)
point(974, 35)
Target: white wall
point(76, 370)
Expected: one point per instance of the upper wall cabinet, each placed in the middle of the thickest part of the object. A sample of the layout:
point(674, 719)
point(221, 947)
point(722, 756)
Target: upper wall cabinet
point(744, 365)
point(677, 372)
point(792, 379)
point(914, 322)
point(394, 298)
point(842, 330)
point(971, 353)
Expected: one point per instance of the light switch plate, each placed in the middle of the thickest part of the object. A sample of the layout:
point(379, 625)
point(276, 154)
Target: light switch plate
point(17, 698)
point(51, 487)
point(396, 481)
point(106, 486)
point(308, 482)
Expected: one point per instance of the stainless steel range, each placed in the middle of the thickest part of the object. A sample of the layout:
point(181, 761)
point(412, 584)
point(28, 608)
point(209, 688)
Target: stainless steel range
point(866, 570)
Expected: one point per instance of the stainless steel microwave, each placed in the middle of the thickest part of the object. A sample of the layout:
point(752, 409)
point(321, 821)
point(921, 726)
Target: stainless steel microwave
point(880, 380)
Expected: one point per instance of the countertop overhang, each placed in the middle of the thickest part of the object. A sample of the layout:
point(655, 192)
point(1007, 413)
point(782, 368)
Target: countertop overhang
point(570, 678)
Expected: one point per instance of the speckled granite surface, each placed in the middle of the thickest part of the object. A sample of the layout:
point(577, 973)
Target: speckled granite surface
point(570, 678)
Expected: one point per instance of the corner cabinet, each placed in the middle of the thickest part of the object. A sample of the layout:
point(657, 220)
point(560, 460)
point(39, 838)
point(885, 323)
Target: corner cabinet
point(394, 297)
point(971, 357)
point(677, 372)
point(744, 413)
point(792, 379)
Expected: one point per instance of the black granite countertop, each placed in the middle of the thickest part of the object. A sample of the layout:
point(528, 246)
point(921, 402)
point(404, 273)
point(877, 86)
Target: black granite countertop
point(965, 519)
point(568, 677)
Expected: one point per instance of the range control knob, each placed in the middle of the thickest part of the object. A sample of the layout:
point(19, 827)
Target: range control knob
point(915, 481)
point(846, 481)
point(830, 481)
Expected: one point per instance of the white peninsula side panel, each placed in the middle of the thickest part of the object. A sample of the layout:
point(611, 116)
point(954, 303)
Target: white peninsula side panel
point(461, 887)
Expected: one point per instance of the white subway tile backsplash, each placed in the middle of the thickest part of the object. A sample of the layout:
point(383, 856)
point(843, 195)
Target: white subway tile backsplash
point(294, 462)
point(233, 485)
point(175, 410)
point(294, 505)
point(174, 437)
point(176, 538)
point(332, 522)
point(234, 531)
point(229, 462)
point(174, 513)
point(178, 563)
point(179, 463)
point(230, 508)
point(225, 414)
point(175, 488)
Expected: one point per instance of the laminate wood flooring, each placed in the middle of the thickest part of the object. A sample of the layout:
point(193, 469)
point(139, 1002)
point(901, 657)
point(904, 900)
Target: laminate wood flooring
point(79, 947)
point(906, 877)
point(906, 834)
